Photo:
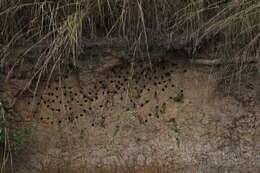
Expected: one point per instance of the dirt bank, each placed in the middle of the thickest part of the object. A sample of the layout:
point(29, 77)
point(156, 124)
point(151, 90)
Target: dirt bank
point(169, 113)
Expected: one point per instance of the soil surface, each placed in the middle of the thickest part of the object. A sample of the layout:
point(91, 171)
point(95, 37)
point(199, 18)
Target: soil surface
point(166, 113)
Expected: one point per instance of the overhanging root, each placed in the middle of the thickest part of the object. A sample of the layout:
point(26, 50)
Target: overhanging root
point(220, 61)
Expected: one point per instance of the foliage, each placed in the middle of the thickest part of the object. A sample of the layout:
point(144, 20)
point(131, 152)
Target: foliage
point(12, 137)
point(179, 97)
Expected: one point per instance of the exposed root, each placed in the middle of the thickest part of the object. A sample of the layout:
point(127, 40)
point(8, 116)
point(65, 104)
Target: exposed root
point(223, 61)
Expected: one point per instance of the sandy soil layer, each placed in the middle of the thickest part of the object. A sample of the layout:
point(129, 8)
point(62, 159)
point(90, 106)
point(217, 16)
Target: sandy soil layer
point(169, 113)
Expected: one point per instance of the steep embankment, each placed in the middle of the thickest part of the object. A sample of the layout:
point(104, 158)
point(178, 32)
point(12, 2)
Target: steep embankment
point(130, 114)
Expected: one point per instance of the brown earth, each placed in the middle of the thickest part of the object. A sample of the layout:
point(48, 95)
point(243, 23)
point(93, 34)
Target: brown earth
point(119, 115)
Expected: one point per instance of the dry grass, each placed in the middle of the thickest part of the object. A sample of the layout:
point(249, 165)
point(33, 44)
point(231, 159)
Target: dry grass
point(228, 30)
point(60, 26)
point(235, 24)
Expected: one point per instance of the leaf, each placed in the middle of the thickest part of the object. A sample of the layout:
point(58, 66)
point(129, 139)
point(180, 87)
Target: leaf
point(179, 97)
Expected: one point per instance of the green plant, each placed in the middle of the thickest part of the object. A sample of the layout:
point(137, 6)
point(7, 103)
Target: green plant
point(179, 97)
point(15, 137)
point(71, 117)
point(12, 138)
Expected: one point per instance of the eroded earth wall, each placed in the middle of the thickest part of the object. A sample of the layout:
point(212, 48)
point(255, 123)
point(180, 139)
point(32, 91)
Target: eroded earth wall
point(166, 113)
